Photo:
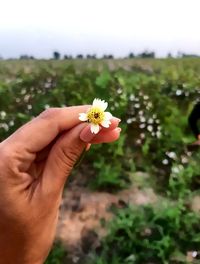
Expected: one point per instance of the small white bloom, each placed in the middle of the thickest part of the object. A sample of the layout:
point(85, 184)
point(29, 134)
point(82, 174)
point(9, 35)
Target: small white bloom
point(3, 114)
point(165, 162)
point(184, 159)
point(138, 141)
point(194, 254)
point(171, 155)
point(46, 106)
point(29, 107)
point(11, 123)
point(96, 115)
point(150, 128)
point(142, 135)
point(158, 134)
point(175, 170)
point(150, 121)
point(178, 92)
point(137, 105)
point(119, 91)
point(149, 104)
point(129, 121)
point(132, 97)
point(142, 126)
point(142, 119)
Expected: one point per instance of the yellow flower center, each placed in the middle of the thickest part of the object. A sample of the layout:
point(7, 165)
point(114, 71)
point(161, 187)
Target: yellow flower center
point(95, 115)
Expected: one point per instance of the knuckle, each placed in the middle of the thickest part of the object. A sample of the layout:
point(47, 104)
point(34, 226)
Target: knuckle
point(69, 156)
point(6, 157)
point(49, 113)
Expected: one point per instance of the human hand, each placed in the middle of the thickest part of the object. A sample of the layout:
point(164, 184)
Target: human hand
point(35, 162)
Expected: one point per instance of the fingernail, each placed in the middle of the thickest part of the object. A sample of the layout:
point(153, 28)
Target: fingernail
point(86, 134)
point(119, 129)
point(119, 120)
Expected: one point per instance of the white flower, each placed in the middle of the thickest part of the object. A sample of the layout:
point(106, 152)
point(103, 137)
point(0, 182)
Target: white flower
point(171, 155)
point(165, 162)
point(194, 254)
point(150, 128)
point(96, 115)
point(178, 92)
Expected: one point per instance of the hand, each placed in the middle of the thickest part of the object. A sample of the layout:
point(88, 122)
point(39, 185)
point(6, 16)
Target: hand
point(34, 164)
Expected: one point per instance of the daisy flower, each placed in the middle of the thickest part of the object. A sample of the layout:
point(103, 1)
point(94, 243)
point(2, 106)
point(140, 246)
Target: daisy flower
point(97, 116)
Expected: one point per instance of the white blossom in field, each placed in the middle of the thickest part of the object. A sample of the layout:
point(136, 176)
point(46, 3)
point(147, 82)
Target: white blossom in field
point(149, 105)
point(194, 254)
point(157, 121)
point(171, 155)
point(142, 126)
point(137, 105)
point(184, 159)
point(129, 121)
point(138, 142)
point(46, 106)
point(131, 97)
point(11, 123)
point(142, 119)
point(165, 162)
point(158, 134)
point(178, 92)
point(4, 126)
point(150, 128)
point(29, 107)
point(150, 121)
point(175, 170)
point(142, 135)
point(3, 114)
point(119, 91)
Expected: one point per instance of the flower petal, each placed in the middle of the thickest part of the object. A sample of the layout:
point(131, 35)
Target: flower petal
point(83, 117)
point(95, 102)
point(105, 123)
point(95, 128)
point(108, 115)
point(100, 103)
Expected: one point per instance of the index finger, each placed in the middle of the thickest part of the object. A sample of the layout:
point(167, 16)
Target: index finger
point(42, 130)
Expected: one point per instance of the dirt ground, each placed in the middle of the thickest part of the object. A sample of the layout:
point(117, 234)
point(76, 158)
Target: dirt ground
point(82, 211)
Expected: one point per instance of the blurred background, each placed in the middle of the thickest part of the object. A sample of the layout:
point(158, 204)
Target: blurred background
point(136, 200)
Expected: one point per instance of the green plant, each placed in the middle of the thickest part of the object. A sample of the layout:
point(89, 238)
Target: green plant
point(57, 254)
point(151, 234)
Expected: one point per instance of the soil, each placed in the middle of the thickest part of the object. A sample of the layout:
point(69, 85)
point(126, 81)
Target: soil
point(82, 212)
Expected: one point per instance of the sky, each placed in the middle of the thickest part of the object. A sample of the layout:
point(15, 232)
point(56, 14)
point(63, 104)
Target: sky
point(118, 27)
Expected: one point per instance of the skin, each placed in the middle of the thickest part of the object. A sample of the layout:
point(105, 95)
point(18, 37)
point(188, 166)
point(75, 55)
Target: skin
point(35, 162)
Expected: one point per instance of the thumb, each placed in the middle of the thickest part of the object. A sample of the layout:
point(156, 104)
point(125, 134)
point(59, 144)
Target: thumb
point(62, 158)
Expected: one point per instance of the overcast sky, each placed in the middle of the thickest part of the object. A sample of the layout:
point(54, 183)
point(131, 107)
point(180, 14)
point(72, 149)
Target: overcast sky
point(38, 27)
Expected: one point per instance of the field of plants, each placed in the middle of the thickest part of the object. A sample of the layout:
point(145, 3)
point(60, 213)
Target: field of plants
point(153, 98)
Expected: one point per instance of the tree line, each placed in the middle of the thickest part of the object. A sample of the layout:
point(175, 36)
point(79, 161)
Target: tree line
point(145, 54)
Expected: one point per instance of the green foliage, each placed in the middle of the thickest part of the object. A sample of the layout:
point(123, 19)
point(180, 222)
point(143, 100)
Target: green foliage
point(162, 234)
point(56, 255)
point(153, 98)
point(184, 179)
